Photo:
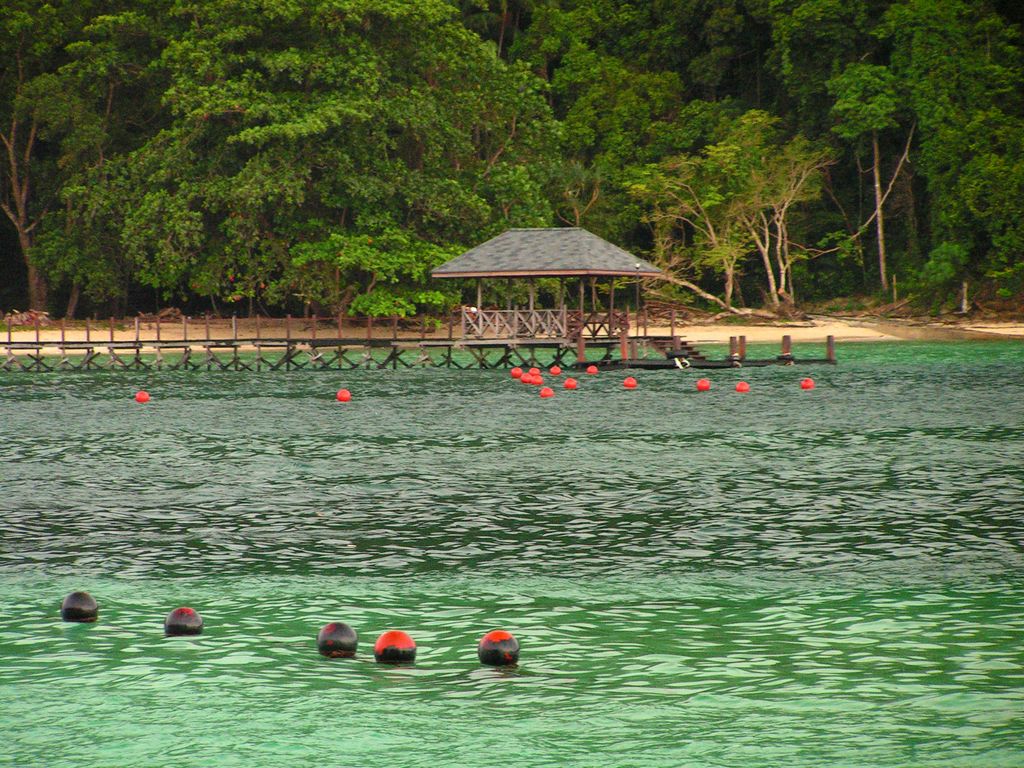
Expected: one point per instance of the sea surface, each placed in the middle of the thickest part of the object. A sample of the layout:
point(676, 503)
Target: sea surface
point(785, 578)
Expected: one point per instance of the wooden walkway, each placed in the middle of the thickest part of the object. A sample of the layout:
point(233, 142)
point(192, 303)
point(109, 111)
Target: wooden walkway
point(269, 354)
point(339, 351)
point(276, 354)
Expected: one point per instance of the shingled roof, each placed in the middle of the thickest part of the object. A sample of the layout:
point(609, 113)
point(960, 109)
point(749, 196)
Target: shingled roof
point(550, 252)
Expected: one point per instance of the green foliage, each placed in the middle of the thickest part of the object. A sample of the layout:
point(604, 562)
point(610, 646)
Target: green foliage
point(942, 272)
point(227, 150)
point(866, 100)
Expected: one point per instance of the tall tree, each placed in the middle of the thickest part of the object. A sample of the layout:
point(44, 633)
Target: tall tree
point(866, 103)
point(34, 112)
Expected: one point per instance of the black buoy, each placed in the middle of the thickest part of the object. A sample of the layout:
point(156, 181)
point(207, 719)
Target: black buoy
point(183, 621)
point(395, 647)
point(337, 640)
point(79, 606)
point(499, 649)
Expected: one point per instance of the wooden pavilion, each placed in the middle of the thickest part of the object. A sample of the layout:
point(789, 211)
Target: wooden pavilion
point(565, 253)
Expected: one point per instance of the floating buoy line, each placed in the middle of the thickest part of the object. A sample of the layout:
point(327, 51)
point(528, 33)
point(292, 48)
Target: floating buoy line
point(335, 640)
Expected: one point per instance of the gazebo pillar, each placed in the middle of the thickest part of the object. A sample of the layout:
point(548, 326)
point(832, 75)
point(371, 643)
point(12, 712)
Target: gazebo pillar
point(479, 292)
point(611, 304)
point(533, 292)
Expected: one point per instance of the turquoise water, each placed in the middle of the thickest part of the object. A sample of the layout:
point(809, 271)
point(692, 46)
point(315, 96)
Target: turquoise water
point(781, 578)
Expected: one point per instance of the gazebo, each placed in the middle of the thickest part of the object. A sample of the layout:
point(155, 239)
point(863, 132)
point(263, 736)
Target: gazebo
point(563, 253)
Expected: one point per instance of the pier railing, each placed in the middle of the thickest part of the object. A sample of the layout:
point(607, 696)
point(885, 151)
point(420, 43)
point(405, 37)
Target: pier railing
point(541, 323)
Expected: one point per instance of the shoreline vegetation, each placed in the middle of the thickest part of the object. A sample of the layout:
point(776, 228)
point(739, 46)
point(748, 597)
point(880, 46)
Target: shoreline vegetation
point(311, 156)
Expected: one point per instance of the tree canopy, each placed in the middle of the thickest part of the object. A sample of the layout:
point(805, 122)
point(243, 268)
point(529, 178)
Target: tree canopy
point(246, 155)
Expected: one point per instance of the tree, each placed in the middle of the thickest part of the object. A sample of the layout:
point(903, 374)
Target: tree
point(737, 193)
point(866, 103)
point(962, 68)
point(33, 118)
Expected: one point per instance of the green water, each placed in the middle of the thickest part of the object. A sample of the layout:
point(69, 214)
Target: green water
point(782, 578)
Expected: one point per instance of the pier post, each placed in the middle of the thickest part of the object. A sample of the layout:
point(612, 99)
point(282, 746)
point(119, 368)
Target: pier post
point(36, 318)
point(288, 342)
point(787, 350)
point(111, 330)
point(581, 348)
point(677, 343)
point(733, 347)
point(830, 342)
point(394, 327)
point(184, 328)
point(8, 334)
point(137, 324)
point(259, 348)
point(313, 328)
point(624, 344)
point(157, 328)
point(743, 347)
point(62, 334)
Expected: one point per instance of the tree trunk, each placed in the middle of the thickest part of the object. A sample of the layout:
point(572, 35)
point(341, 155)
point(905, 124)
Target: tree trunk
point(879, 220)
point(37, 289)
point(761, 233)
point(730, 278)
point(76, 292)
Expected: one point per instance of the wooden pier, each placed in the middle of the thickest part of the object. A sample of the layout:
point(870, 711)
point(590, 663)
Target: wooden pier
point(327, 344)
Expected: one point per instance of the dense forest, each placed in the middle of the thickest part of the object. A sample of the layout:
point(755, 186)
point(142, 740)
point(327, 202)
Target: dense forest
point(280, 155)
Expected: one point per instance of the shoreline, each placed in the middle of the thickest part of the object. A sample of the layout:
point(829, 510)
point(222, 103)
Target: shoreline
point(815, 330)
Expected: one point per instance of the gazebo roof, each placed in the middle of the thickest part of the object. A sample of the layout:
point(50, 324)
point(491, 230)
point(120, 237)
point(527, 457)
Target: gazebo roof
point(547, 252)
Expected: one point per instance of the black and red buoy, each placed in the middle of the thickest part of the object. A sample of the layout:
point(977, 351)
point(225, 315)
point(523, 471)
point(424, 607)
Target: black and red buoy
point(183, 621)
point(337, 640)
point(499, 649)
point(395, 647)
point(79, 606)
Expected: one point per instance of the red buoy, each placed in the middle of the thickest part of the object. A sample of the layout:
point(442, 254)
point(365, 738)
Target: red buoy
point(629, 383)
point(742, 386)
point(592, 370)
point(142, 396)
point(344, 395)
point(807, 383)
point(535, 371)
point(554, 370)
point(538, 380)
point(516, 373)
point(571, 383)
point(526, 378)
point(703, 385)
point(498, 648)
point(547, 392)
point(337, 640)
point(183, 621)
point(394, 647)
